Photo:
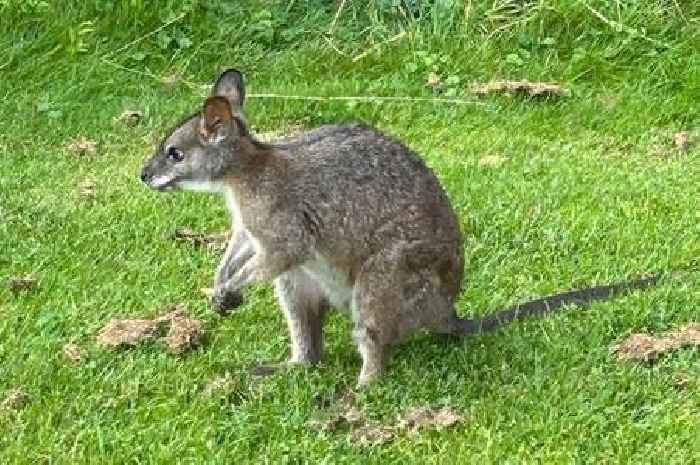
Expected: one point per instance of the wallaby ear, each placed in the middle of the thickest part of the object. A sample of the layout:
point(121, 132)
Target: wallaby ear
point(214, 123)
point(230, 85)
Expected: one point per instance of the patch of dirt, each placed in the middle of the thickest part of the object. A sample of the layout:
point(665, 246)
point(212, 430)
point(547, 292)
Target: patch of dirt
point(212, 242)
point(492, 160)
point(364, 433)
point(182, 333)
point(17, 284)
point(73, 352)
point(15, 400)
point(425, 417)
point(126, 333)
point(87, 188)
point(682, 141)
point(129, 117)
point(345, 413)
point(533, 89)
point(82, 146)
point(646, 348)
point(374, 435)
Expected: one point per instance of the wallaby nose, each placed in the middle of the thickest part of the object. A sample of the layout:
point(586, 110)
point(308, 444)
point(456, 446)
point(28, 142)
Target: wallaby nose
point(145, 175)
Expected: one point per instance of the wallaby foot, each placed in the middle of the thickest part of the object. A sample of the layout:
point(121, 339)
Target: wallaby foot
point(304, 305)
point(374, 358)
point(225, 301)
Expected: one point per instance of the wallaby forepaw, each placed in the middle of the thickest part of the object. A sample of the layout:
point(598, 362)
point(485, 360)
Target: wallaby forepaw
point(226, 301)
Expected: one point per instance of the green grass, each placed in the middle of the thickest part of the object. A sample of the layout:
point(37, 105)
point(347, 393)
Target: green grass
point(591, 190)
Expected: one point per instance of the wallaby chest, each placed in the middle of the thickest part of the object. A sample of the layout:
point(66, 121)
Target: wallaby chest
point(334, 281)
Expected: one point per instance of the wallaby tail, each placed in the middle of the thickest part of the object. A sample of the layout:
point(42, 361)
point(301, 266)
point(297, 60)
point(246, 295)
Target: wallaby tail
point(550, 304)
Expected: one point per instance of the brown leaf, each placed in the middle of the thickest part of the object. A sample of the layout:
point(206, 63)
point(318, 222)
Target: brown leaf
point(87, 188)
point(129, 117)
point(534, 89)
point(645, 347)
point(72, 352)
point(24, 283)
point(212, 242)
point(82, 146)
point(15, 400)
point(682, 141)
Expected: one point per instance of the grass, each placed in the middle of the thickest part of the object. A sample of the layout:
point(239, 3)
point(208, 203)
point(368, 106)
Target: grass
point(590, 190)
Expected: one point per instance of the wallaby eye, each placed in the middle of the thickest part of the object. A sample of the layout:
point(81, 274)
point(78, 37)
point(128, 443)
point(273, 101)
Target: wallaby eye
point(175, 154)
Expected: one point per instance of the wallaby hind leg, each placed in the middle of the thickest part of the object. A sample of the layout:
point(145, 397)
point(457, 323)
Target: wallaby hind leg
point(305, 306)
point(397, 293)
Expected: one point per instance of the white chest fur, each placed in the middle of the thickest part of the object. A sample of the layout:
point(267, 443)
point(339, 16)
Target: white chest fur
point(335, 284)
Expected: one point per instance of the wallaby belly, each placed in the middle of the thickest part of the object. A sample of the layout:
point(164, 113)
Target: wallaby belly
point(334, 282)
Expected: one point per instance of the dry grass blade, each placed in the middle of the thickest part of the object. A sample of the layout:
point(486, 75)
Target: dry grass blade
point(533, 89)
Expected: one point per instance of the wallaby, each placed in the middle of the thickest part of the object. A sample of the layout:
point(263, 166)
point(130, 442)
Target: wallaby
point(343, 216)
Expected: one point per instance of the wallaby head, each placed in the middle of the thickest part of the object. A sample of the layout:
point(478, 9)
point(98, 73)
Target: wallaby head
point(206, 146)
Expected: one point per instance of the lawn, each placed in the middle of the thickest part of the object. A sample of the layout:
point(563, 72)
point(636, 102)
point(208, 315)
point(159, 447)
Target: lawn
point(553, 194)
